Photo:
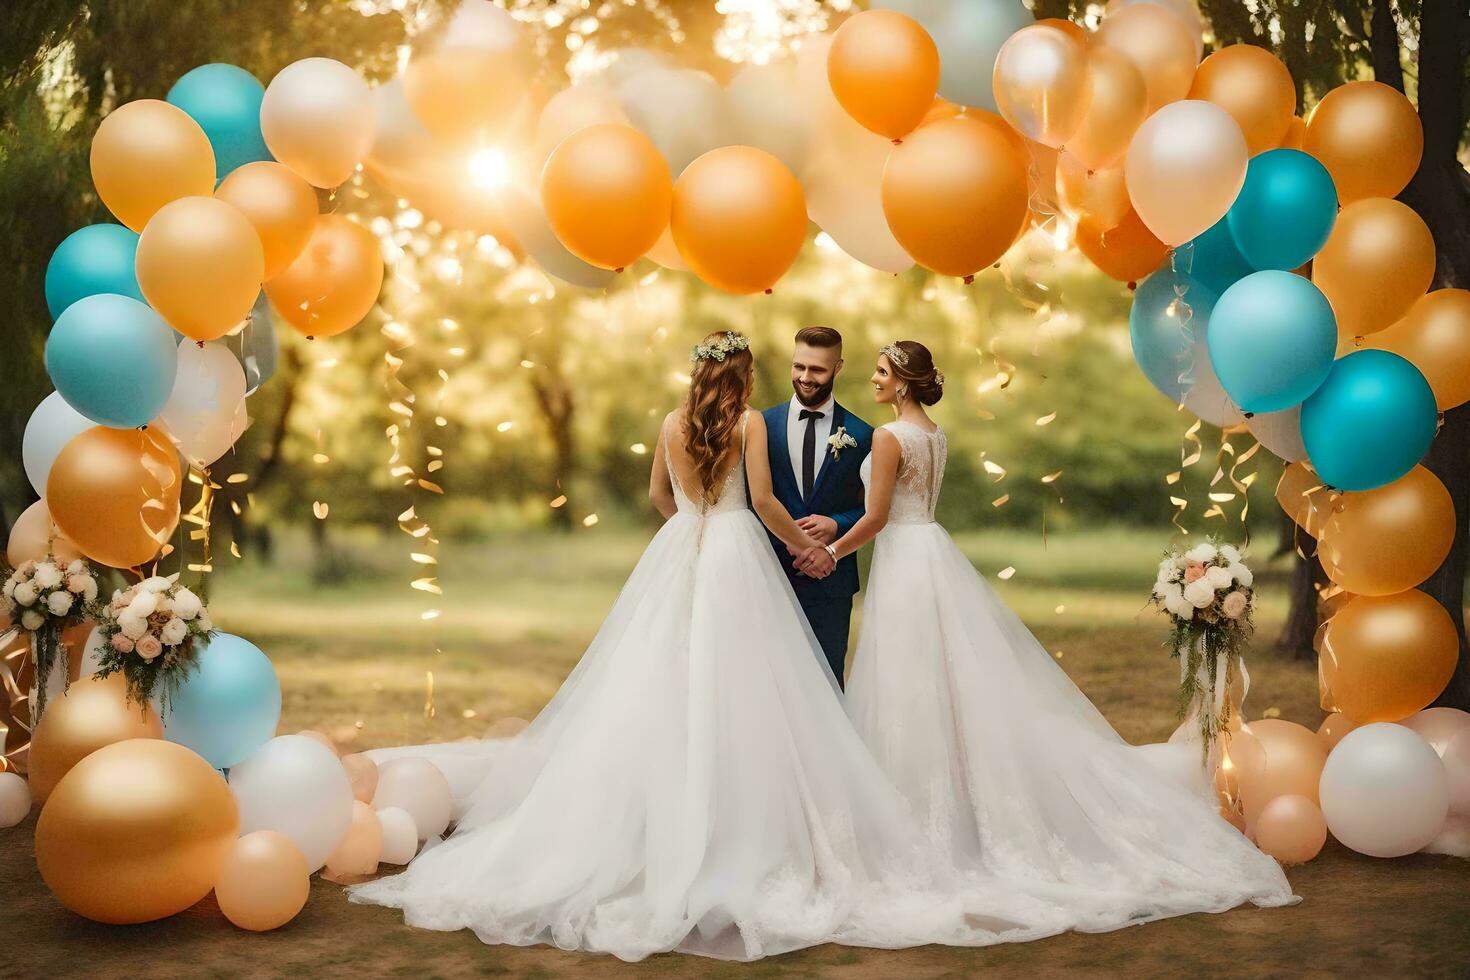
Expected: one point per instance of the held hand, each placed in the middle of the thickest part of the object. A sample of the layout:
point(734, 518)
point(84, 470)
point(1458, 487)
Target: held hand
point(824, 529)
point(815, 563)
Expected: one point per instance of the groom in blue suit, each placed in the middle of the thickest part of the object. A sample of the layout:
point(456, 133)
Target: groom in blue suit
point(816, 447)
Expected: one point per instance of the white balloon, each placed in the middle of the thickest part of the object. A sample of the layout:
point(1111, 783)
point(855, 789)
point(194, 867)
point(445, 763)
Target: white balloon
point(1207, 399)
point(295, 785)
point(417, 786)
point(527, 222)
point(205, 414)
point(317, 119)
point(573, 109)
point(1456, 761)
point(1384, 791)
point(400, 836)
point(764, 115)
point(52, 425)
point(1280, 432)
point(1453, 838)
point(968, 34)
point(481, 24)
point(1185, 10)
point(681, 110)
point(15, 799)
point(1184, 167)
point(400, 141)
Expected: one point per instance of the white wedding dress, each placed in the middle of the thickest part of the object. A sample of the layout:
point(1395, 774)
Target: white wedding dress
point(1008, 766)
point(696, 784)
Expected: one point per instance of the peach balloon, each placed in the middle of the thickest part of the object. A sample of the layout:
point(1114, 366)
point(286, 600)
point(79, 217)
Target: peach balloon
point(200, 265)
point(1369, 138)
point(1386, 540)
point(1076, 32)
point(317, 118)
point(321, 737)
point(263, 881)
point(1101, 195)
point(666, 253)
point(1333, 728)
point(1040, 82)
point(954, 194)
point(1291, 761)
point(1439, 726)
point(941, 110)
point(1291, 829)
point(1377, 262)
point(1127, 252)
point(884, 70)
point(1253, 85)
point(362, 773)
point(136, 831)
point(738, 218)
point(93, 713)
point(34, 536)
point(280, 205)
point(115, 493)
point(1158, 43)
point(1303, 496)
point(573, 109)
point(1116, 108)
point(1435, 337)
point(607, 194)
point(360, 850)
point(1296, 131)
point(1386, 657)
point(333, 283)
point(1185, 166)
point(468, 84)
point(146, 154)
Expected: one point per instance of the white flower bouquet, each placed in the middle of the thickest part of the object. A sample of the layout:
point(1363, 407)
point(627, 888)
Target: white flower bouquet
point(43, 598)
point(148, 634)
point(1208, 594)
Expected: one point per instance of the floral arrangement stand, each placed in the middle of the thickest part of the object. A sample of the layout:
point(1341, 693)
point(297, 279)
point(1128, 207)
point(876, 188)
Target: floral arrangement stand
point(43, 598)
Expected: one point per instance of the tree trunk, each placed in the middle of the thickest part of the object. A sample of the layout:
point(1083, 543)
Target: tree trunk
point(1307, 577)
point(554, 398)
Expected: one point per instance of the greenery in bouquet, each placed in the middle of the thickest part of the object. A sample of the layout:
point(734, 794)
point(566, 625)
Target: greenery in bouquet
point(149, 635)
point(43, 598)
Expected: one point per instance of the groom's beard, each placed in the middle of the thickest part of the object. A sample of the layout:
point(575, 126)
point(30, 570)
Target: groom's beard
point(817, 398)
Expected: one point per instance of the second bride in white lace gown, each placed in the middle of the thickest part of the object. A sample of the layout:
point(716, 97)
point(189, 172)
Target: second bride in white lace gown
point(1009, 768)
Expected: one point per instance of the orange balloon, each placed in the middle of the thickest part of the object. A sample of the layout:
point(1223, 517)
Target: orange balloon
point(941, 110)
point(1253, 85)
point(1378, 260)
point(1077, 32)
point(954, 194)
point(1127, 253)
point(1040, 83)
point(136, 832)
point(884, 70)
point(1296, 131)
point(607, 194)
point(333, 283)
point(280, 205)
point(1435, 337)
point(1333, 728)
point(1303, 496)
point(738, 218)
point(263, 881)
point(93, 713)
point(1369, 138)
point(200, 265)
point(1385, 657)
point(1101, 195)
point(1386, 540)
point(115, 492)
point(464, 94)
point(33, 536)
point(147, 153)
point(1159, 45)
point(1290, 760)
point(1118, 104)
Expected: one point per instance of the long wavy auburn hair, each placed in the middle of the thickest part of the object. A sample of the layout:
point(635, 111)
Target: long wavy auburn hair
point(717, 397)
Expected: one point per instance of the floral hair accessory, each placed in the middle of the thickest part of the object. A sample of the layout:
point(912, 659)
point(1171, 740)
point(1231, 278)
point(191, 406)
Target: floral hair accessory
point(722, 348)
point(895, 354)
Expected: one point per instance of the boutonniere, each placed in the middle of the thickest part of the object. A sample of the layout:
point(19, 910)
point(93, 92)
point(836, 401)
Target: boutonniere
point(839, 441)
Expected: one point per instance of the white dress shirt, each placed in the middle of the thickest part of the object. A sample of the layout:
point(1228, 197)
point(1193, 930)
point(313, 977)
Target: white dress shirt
point(796, 433)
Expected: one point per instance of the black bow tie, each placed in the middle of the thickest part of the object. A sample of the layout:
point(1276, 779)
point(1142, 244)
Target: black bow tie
point(807, 414)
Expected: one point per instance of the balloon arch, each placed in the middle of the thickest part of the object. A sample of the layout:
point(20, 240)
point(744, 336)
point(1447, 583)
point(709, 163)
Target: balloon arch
point(1279, 286)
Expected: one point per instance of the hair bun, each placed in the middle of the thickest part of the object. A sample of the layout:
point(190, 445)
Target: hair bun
point(915, 366)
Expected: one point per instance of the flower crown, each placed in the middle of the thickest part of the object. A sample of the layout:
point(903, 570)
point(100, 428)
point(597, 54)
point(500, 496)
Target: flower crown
point(896, 354)
point(722, 348)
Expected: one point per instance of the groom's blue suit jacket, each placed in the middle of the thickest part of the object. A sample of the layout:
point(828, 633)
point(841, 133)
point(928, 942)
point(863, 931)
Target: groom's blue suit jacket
point(837, 492)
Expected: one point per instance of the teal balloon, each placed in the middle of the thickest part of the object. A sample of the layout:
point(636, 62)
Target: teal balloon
point(1285, 210)
point(91, 260)
point(1272, 339)
point(228, 705)
point(1370, 422)
point(1217, 262)
point(113, 359)
point(968, 34)
point(225, 102)
point(1169, 357)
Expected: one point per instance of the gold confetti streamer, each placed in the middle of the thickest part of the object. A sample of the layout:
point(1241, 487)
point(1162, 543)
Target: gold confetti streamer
point(320, 509)
point(1005, 573)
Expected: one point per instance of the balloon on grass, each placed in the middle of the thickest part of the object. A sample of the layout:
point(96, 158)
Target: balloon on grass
point(91, 260)
point(1382, 541)
point(1185, 166)
point(228, 705)
point(200, 264)
point(400, 835)
point(115, 494)
point(1272, 338)
point(360, 850)
point(225, 101)
point(1369, 137)
point(1285, 210)
point(417, 786)
point(362, 773)
point(280, 205)
point(884, 70)
point(1291, 829)
point(1290, 762)
point(113, 359)
point(1377, 262)
point(1456, 759)
point(1434, 336)
point(317, 119)
point(1384, 791)
point(146, 154)
point(15, 799)
point(333, 283)
point(607, 194)
point(1252, 84)
point(1370, 422)
point(1333, 728)
point(1386, 657)
point(263, 881)
point(1041, 84)
point(297, 787)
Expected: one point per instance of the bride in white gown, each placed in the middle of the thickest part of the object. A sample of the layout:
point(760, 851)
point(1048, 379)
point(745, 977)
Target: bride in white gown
point(1010, 769)
point(696, 784)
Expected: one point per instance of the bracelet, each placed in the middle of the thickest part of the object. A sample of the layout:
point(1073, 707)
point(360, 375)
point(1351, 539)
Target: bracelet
point(831, 550)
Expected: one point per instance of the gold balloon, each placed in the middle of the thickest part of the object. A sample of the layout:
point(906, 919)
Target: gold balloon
point(1127, 252)
point(1296, 131)
point(1118, 104)
point(884, 70)
point(1385, 657)
point(280, 205)
point(607, 193)
point(333, 283)
point(1251, 84)
point(1369, 138)
point(738, 218)
point(93, 713)
point(1378, 260)
point(1333, 728)
point(1435, 337)
point(34, 536)
point(136, 832)
point(115, 492)
point(200, 265)
point(941, 109)
point(1041, 84)
point(1304, 497)
point(146, 154)
point(1386, 540)
point(1290, 761)
point(1158, 44)
point(1292, 829)
point(1101, 195)
point(954, 194)
point(263, 881)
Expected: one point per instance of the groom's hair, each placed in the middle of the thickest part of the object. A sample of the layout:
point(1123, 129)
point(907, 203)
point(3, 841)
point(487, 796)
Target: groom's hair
point(819, 337)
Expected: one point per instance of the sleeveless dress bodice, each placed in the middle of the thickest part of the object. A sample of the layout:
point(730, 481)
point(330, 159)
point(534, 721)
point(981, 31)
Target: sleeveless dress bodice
point(920, 473)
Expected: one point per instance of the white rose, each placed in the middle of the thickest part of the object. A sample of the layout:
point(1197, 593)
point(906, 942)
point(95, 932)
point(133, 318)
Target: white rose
point(1161, 589)
point(204, 622)
point(144, 604)
point(77, 567)
point(47, 575)
point(9, 589)
point(186, 604)
point(1242, 575)
point(133, 627)
point(25, 594)
point(59, 603)
point(1202, 552)
point(156, 584)
point(1176, 605)
point(89, 591)
point(1219, 578)
point(1176, 590)
point(1229, 553)
point(174, 631)
point(1199, 593)
point(31, 620)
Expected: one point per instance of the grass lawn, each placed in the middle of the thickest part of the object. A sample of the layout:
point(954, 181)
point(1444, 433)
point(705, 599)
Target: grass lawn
point(354, 660)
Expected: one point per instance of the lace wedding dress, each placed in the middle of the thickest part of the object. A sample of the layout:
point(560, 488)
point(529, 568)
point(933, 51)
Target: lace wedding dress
point(1008, 766)
point(696, 784)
